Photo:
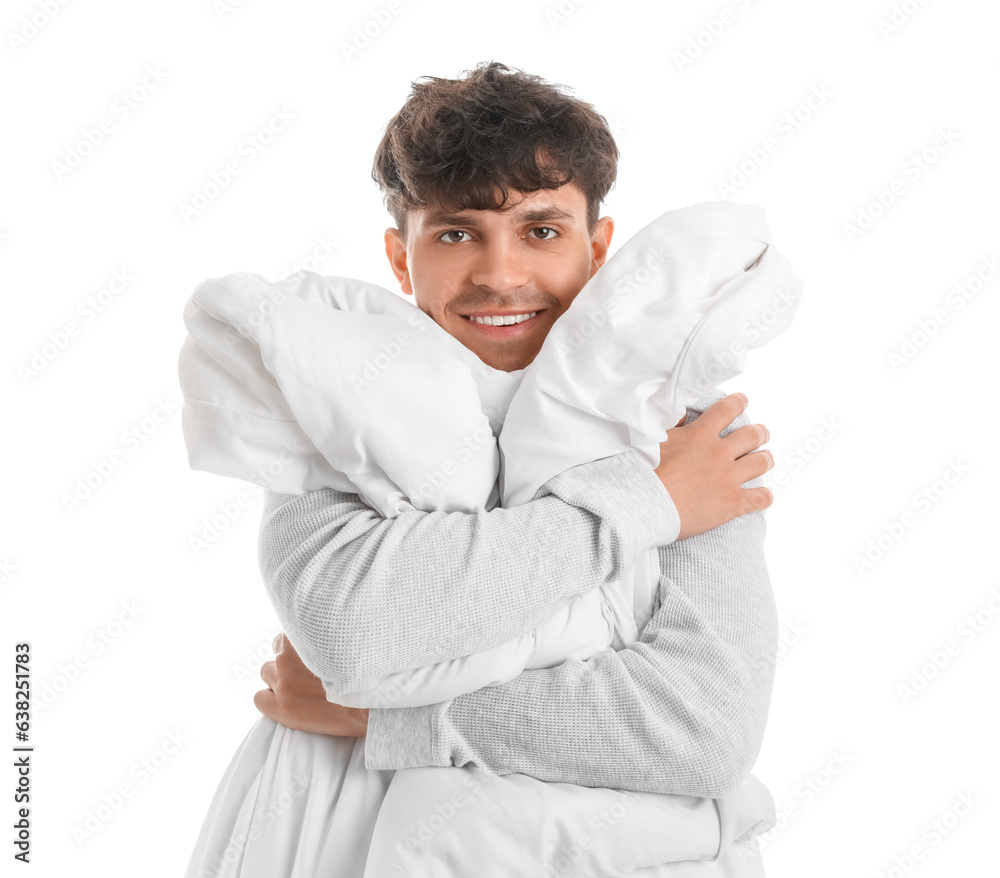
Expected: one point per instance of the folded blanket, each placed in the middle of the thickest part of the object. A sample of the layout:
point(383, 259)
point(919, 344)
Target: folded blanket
point(325, 382)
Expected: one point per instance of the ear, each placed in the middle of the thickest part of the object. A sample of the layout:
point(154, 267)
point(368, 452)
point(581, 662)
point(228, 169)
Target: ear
point(395, 251)
point(600, 243)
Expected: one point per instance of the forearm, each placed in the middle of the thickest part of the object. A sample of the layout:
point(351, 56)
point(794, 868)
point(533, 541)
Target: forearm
point(681, 711)
point(361, 596)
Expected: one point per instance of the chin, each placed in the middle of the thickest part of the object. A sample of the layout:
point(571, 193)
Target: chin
point(511, 364)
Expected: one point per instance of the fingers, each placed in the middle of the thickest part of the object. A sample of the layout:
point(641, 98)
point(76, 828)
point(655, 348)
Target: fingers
point(269, 674)
point(278, 644)
point(754, 464)
point(266, 703)
point(721, 414)
point(758, 499)
point(746, 439)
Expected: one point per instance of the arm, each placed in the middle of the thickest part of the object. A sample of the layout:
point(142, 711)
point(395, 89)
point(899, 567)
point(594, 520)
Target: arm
point(361, 596)
point(682, 710)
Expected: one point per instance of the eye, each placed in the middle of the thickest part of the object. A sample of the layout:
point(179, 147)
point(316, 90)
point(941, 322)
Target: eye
point(452, 232)
point(546, 229)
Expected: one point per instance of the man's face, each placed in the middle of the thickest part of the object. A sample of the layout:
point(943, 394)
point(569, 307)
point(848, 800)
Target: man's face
point(533, 257)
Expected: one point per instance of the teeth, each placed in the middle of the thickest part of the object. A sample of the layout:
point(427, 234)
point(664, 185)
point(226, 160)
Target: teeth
point(503, 319)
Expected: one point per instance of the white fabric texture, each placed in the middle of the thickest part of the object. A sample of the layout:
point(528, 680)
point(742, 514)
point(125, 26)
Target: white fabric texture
point(315, 382)
point(293, 804)
point(305, 383)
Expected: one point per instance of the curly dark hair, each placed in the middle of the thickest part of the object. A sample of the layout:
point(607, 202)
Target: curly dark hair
point(463, 143)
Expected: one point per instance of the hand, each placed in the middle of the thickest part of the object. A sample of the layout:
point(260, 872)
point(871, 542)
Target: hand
point(295, 697)
point(703, 472)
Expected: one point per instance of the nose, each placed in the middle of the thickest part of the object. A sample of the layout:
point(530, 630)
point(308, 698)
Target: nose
point(500, 266)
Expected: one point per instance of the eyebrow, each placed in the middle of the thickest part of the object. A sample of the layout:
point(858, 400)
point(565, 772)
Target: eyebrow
point(536, 213)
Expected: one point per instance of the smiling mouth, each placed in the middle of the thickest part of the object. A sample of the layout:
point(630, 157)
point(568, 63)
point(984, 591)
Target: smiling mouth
point(502, 323)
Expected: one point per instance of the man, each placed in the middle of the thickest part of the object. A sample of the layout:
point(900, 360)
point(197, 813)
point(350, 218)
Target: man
point(495, 183)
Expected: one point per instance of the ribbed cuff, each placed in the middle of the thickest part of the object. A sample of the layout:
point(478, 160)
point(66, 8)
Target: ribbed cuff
point(664, 519)
point(402, 737)
point(625, 492)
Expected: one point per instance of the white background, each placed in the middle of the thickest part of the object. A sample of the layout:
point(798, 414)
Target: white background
point(856, 436)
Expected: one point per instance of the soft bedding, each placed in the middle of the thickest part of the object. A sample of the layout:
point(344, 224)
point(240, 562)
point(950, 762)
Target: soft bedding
point(321, 382)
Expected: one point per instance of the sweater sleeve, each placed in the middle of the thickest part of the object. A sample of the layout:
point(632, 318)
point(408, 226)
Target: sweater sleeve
point(361, 596)
point(682, 710)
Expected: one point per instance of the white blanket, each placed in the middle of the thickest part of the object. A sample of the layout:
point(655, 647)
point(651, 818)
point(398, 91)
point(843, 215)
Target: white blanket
point(307, 383)
point(315, 382)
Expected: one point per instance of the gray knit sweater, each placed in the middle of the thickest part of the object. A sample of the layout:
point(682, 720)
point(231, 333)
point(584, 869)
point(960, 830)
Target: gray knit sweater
point(683, 710)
